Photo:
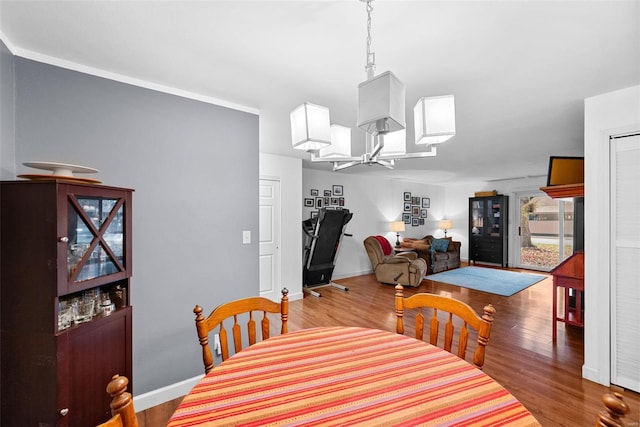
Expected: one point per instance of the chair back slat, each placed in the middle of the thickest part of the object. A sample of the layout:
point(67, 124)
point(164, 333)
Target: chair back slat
point(224, 343)
point(237, 335)
point(251, 328)
point(434, 328)
point(454, 308)
point(266, 333)
point(419, 325)
point(448, 334)
point(242, 307)
point(463, 339)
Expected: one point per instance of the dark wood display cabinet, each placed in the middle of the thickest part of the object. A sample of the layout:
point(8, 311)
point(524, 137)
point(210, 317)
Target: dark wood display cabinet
point(489, 229)
point(66, 318)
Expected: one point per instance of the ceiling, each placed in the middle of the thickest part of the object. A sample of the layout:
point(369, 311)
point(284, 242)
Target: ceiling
point(519, 70)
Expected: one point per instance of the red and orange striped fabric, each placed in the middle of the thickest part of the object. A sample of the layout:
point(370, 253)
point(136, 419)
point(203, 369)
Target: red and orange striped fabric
point(345, 376)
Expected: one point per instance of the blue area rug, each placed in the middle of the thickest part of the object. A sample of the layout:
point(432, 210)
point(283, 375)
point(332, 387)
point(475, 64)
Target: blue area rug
point(500, 282)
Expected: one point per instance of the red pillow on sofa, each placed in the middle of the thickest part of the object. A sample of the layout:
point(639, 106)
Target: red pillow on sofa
point(386, 246)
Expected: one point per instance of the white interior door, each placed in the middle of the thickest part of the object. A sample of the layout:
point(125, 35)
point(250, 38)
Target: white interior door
point(269, 193)
point(625, 268)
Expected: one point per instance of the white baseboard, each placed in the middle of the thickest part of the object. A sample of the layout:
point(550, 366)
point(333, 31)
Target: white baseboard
point(593, 375)
point(352, 274)
point(164, 394)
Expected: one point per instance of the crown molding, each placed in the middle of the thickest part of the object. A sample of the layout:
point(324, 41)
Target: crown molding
point(85, 69)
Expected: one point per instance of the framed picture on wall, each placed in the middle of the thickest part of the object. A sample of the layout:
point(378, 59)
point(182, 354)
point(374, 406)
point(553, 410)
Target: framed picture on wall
point(314, 214)
point(327, 193)
point(415, 211)
point(314, 192)
point(423, 213)
point(415, 222)
point(426, 202)
point(334, 200)
point(407, 207)
point(308, 202)
point(319, 202)
point(421, 221)
point(337, 190)
point(406, 218)
point(415, 201)
point(327, 201)
point(407, 196)
point(341, 201)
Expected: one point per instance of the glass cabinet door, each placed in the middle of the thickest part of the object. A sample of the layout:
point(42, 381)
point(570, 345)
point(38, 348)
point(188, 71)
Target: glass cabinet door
point(477, 217)
point(96, 237)
point(494, 210)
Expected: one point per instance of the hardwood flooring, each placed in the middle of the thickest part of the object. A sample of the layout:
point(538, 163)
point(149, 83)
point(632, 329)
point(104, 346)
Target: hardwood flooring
point(545, 377)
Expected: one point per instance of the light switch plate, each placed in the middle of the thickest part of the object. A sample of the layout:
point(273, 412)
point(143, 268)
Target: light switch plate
point(246, 237)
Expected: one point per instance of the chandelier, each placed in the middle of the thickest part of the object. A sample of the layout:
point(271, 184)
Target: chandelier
point(381, 115)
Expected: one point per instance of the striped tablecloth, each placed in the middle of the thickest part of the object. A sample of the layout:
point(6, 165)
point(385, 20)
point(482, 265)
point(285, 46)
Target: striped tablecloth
point(345, 376)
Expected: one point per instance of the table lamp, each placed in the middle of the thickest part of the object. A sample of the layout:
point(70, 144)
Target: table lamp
point(445, 224)
point(397, 226)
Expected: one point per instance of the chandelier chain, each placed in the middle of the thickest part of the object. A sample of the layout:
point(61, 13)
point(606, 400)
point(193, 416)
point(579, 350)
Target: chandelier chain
point(371, 56)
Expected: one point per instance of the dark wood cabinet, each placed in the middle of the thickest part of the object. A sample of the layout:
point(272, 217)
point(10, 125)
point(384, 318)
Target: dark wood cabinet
point(489, 229)
point(64, 245)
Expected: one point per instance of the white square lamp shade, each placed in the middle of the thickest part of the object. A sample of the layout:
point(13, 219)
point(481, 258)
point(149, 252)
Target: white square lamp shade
point(310, 127)
point(435, 119)
point(395, 144)
point(397, 226)
point(340, 143)
point(445, 224)
point(381, 104)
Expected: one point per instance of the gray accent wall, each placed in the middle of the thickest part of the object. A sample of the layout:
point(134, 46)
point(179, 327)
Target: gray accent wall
point(194, 169)
point(7, 113)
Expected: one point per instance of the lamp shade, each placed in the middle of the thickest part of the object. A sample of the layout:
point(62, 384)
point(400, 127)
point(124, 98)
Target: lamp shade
point(445, 224)
point(340, 143)
point(395, 143)
point(397, 226)
point(435, 119)
point(310, 128)
point(381, 104)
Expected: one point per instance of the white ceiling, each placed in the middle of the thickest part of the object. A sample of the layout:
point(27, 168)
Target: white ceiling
point(519, 70)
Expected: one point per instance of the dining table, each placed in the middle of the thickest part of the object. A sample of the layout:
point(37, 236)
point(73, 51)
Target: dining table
point(348, 376)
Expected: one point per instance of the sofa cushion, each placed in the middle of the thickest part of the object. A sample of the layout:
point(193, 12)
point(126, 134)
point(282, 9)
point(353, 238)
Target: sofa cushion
point(440, 245)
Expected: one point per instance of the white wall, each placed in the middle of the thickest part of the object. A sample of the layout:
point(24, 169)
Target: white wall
point(288, 171)
point(612, 113)
point(375, 202)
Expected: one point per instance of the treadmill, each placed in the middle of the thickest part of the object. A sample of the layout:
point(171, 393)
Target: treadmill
point(323, 235)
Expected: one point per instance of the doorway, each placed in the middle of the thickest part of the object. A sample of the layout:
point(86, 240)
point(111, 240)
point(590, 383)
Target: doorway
point(545, 231)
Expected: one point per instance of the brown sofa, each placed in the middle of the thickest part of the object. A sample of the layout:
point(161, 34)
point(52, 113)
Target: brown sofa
point(437, 260)
point(405, 268)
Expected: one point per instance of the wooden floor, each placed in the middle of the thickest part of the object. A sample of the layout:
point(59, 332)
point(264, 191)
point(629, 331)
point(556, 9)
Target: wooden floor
point(545, 377)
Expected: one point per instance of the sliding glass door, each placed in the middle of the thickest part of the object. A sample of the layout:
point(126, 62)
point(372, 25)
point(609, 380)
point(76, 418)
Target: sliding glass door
point(545, 231)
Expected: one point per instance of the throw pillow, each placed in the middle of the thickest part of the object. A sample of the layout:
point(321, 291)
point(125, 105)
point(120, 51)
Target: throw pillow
point(440, 245)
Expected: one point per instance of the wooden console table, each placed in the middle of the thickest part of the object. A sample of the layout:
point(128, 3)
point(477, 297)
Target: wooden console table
point(569, 274)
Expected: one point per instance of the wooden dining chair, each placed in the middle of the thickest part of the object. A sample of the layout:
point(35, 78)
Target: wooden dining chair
point(122, 410)
point(468, 317)
point(204, 326)
point(616, 407)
